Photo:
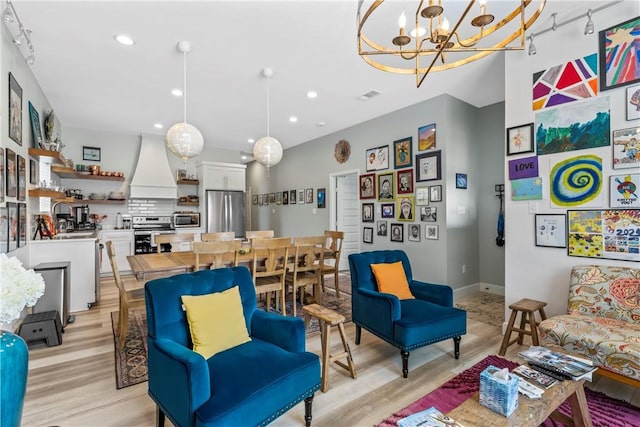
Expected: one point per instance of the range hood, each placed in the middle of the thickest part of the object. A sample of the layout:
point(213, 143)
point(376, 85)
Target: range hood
point(153, 178)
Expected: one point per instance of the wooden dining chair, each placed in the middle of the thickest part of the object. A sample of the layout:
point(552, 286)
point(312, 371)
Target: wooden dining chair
point(260, 234)
point(306, 267)
point(225, 253)
point(127, 299)
point(222, 236)
point(162, 239)
point(269, 268)
point(333, 249)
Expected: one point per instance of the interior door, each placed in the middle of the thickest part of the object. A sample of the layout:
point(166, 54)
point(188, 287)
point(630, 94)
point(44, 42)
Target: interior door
point(347, 216)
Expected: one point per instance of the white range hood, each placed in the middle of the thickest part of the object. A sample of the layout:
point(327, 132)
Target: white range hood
point(153, 178)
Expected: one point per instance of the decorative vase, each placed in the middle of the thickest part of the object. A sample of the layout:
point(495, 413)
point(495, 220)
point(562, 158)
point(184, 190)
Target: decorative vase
point(14, 361)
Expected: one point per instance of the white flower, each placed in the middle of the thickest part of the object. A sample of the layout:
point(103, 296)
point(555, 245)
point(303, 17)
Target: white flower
point(18, 288)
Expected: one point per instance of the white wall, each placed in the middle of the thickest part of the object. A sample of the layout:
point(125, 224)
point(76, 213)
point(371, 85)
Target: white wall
point(538, 272)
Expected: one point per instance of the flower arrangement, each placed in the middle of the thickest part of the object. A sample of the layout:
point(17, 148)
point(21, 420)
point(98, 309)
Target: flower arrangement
point(19, 288)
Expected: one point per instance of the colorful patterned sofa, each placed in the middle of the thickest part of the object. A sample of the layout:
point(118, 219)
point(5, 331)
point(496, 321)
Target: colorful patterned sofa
point(603, 323)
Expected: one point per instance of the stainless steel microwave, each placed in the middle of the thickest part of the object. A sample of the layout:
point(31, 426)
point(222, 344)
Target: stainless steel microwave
point(186, 219)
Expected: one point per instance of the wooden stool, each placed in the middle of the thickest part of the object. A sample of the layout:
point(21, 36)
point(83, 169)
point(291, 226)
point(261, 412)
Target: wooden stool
point(527, 308)
point(327, 319)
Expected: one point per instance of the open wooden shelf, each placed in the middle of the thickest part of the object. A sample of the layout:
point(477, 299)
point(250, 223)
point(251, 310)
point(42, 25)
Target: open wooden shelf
point(187, 203)
point(43, 192)
point(47, 156)
point(188, 182)
point(64, 172)
point(74, 201)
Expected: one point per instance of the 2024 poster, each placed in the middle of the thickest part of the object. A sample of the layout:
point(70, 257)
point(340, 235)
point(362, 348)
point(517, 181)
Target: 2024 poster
point(610, 233)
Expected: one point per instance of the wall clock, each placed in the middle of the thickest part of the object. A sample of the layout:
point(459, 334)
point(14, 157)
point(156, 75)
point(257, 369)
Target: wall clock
point(342, 151)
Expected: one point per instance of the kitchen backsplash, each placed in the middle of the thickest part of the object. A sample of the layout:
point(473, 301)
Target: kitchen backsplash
point(146, 207)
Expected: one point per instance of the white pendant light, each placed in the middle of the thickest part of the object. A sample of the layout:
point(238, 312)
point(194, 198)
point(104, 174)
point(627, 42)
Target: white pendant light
point(267, 150)
point(183, 139)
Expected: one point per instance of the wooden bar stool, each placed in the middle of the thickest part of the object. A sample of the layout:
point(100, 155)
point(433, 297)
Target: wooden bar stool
point(527, 309)
point(327, 319)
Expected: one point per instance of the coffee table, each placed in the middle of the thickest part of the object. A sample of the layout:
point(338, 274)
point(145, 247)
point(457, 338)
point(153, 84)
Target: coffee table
point(530, 412)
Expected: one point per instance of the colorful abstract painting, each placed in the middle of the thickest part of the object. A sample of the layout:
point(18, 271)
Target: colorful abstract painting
point(619, 54)
point(526, 189)
point(611, 233)
point(576, 181)
point(626, 148)
point(624, 191)
point(575, 126)
point(572, 81)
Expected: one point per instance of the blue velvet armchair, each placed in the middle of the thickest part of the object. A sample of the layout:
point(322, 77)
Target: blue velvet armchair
point(405, 324)
point(250, 384)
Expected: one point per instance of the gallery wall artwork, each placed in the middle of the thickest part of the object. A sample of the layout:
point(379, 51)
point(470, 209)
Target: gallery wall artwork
point(572, 81)
point(619, 62)
point(576, 181)
point(610, 233)
point(624, 191)
point(626, 148)
point(633, 103)
point(575, 126)
point(526, 189)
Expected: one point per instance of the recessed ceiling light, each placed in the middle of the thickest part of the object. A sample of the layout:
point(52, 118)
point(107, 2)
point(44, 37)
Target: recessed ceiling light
point(124, 39)
point(320, 124)
point(243, 157)
point(293, 119)
point(312, 94)
point(176, 92)
point(158, 126)
point(251, 140)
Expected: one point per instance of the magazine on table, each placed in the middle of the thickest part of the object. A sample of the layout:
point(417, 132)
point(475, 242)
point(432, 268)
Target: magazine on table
point(431, 417)
point(570, 367)
point(536, 378)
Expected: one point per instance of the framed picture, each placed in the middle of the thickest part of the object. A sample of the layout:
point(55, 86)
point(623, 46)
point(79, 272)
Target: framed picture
point(520, 139)
point(435, 193)
point(402, 153)
point(388, 210)
point(428, 214)
point(309, 195)
point(431, 232)
point(11, 173)
point(428, 166)
point(278, 198)
point(91, 153)
point(260, 200)
point(15, 110)
point(626, 148)
point(603, 233)
point(377, 158)
point(397, 232)
point(22, 225)
point(22, 178)
point(422, 196)
point(322, 199)
point(265, 199)
point(285, 197)
point(405, 208)
point(2, 184)
point(414, 233)
point(254, 199)
point(368, 186)
point(292, 197)
point(427, 137)
point(623, 192)
point(633, 103)
point(36, 129)
point(33, 172)
point(551, 230)
point(4, 229)
point(12, 230)
point(367, 235)
point(301, 197)
point(381, 227)
point(272, 198)
point(617, 57)
point(461, 181)
point(386, 187)
point(367, 212)
point(180, 174)
point(405, 181)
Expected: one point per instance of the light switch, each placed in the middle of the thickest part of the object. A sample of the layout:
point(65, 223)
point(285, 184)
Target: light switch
point(273, 210)
point(533, 207)
point(462, 210)
point(314, 211)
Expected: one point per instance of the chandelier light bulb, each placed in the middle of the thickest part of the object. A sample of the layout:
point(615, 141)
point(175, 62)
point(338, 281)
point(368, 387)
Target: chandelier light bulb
point(402, 21)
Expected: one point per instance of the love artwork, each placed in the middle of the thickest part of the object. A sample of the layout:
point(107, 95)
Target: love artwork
point(523, 168)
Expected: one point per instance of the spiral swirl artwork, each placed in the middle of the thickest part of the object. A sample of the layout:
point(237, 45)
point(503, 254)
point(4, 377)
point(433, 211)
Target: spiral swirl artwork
point(576, 181)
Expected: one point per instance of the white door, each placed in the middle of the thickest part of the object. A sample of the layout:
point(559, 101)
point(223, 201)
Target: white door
point(346, 214)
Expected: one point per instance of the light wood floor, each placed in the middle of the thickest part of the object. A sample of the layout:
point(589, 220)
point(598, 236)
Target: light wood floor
point(74, 384)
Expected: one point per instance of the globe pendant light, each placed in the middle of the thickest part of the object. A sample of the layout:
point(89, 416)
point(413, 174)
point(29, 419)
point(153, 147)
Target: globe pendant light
point(183, 139)
point(267, 150)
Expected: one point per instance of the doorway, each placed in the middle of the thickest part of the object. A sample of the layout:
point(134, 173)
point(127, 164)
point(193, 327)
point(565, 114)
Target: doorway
point(343, 200)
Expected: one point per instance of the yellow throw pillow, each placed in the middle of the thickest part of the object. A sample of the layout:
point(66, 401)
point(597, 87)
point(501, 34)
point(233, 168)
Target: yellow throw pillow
point(392, 280)
point(216, 321)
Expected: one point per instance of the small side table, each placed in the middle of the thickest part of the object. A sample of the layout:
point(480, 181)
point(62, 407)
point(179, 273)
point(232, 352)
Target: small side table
point(327, 319)
point(527, 309)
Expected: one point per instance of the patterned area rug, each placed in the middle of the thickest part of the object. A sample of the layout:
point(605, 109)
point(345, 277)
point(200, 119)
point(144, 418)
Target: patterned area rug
point(483, 307)
point(604, 410)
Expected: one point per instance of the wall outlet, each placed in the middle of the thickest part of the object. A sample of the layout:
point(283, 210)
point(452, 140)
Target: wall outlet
point(464, 268)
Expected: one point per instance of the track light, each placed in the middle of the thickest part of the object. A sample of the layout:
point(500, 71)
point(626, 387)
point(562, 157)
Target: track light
point(532, 47)
point(22, 36)
point(554, 26)
point(588, 29)
point(7, 15)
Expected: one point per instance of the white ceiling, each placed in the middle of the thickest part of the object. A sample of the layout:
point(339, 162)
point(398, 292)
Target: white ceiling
point(95, 83)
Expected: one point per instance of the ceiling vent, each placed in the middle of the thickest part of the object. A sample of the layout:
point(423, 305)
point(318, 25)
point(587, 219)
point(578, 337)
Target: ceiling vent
point(367, 96)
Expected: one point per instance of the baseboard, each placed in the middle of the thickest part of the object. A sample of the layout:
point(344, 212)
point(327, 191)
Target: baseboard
point(476, 288)
point(492, 289)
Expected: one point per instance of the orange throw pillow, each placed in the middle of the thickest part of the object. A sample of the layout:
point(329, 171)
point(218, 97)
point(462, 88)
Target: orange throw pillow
point(392, 280)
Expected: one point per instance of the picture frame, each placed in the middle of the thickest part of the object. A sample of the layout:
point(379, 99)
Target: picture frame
point(292, 197)
point(428, 214)
point(623, 191)
point(386, 186)
point(301, 197)
point(626, 146)
point(381, 226)
point(435, 193)
point(422, 196)
point(633, 103)
point(309, 195)
point(406, 208)
point(367, 186)
point(36, 129)
point(285, 197)
point(616, 57)
point(403, 153)
point(91, 154)
point(603, 233)
point(2, 177)
point(254, 199)
point(551, 230)
point(265, 199)
point(377, 158)
point(22, 178)
point(260, 200)
point(431, 232)
point(278, 198)
point(388, 210)
point(413, 234)
point(322, 198)
point(22, 225)
point(4, 229)
point(405, 181)
point(461, 181)
point(11, 173)
point(397, 232)
point(12, 230)
point(428, 166)
point(427, 137)
point(520, 139)
point(33, 172)
point(367, 235)
point(272, 198)
point(367, 212)
point(15, 110)
point(180, 174)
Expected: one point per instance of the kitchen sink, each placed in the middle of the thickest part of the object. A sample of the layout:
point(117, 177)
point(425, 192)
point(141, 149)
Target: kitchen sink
point(76, 235)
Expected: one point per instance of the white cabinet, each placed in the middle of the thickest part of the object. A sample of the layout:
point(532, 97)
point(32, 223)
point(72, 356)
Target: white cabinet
point(221, 176)
point(123, 245)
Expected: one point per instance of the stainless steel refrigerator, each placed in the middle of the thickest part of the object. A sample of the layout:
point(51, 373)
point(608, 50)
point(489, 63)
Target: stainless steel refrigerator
point(225, 212)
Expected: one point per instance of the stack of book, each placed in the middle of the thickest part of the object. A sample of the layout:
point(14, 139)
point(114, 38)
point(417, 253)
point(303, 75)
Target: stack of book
point(558, 365)
point(533, 383)
point(430, 417)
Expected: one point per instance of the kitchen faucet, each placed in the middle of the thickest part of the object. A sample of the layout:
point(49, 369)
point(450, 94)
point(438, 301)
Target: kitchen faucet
point(61, 224)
